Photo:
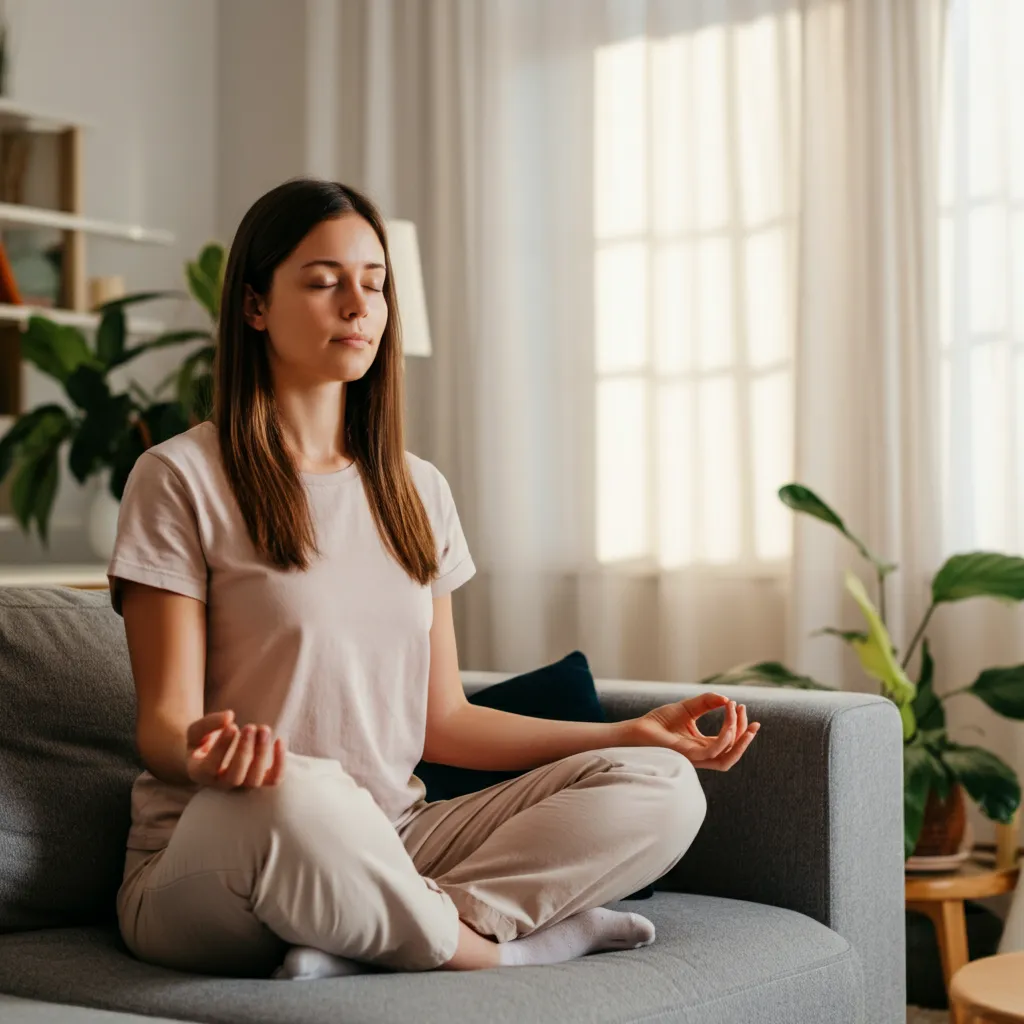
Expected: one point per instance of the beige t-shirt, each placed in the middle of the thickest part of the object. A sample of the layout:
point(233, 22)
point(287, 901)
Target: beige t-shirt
point(335, 659)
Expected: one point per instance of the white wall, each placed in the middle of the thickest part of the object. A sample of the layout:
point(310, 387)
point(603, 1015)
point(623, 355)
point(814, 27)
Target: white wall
point(143, 73)
point(261, 95)
point(278, 98)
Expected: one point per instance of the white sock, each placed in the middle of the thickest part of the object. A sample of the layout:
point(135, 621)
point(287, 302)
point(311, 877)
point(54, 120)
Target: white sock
point(303, 963)
point(591, 931)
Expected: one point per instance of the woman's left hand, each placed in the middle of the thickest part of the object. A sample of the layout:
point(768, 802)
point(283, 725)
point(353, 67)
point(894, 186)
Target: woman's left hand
point(675, 726)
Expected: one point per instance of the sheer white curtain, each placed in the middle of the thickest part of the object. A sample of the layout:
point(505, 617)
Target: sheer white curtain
point(659, 236)
point(981, 217)
point(608, 196)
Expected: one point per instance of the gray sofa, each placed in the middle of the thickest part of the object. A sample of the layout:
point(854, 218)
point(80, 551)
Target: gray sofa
point(788, 908)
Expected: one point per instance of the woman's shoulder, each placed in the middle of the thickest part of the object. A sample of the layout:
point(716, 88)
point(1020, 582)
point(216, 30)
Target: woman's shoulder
point(430, 482)
point(424, 473)
point(194, 453)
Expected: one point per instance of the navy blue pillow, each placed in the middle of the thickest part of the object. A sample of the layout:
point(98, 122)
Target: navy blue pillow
point(563, 692)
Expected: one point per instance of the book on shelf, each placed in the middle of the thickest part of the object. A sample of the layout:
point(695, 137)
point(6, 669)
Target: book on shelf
point(9, 292)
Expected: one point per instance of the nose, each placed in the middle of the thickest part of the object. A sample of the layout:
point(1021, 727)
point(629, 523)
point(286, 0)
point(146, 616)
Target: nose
point(353, 303)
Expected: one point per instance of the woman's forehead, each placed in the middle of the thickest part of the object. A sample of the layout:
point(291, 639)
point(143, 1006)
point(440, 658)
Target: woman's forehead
point(349, 239)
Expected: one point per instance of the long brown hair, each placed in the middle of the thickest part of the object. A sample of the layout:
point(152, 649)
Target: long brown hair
point(261, 471)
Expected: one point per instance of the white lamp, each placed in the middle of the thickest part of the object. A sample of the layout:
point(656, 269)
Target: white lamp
point(412, 302)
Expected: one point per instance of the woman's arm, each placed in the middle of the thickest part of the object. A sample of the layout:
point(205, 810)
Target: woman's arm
point(465, 735)
point(167, 643)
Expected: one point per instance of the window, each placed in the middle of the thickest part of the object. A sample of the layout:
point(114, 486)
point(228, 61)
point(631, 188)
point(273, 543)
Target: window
point(981, 244)
point(694, 274)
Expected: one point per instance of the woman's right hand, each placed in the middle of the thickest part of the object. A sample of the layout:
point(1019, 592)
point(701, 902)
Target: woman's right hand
point(222, 756)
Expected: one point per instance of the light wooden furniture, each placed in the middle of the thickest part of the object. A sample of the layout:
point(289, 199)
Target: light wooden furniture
point(81, 577)
point(41, 154)
point(941, 897)
point(990, 990)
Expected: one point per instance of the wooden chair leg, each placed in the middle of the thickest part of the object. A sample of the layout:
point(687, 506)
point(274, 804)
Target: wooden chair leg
point(951, 929)
point(951, 934)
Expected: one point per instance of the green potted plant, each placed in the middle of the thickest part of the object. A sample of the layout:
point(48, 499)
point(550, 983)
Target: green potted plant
point(936, 770)
point(106, 431)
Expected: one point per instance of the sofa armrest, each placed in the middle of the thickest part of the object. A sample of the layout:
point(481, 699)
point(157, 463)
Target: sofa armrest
point(811, 819)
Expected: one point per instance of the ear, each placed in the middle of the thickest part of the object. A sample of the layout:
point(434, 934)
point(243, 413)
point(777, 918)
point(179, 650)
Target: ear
point(254, 309)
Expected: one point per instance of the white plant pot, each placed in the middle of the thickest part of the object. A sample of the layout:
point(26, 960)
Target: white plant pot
point(102, 519)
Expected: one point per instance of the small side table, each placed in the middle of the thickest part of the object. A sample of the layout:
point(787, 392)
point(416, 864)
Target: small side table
point(942, 897)
point(990, 990)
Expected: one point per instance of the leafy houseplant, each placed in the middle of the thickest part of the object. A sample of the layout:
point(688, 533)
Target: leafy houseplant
point(933, 765)
point(106, 430)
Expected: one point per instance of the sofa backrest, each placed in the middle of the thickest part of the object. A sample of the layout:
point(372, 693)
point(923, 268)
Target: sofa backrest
point(67, 758)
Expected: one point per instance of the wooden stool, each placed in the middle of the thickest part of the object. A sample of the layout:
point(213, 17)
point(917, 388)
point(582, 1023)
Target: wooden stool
point(942, 897)
point(990, 990)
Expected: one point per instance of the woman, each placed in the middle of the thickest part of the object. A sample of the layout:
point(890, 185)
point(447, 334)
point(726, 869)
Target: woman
point(285, 573)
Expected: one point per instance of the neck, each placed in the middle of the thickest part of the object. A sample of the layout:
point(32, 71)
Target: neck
point(312, 421)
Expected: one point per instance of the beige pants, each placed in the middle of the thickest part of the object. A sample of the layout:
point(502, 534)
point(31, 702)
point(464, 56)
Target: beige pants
point(315, 862)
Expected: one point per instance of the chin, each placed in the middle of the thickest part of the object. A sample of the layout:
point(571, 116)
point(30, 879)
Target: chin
point(351, 366)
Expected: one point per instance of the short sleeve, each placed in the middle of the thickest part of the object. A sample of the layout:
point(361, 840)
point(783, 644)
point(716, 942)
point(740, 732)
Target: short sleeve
point(158, 539)
point(455, 565)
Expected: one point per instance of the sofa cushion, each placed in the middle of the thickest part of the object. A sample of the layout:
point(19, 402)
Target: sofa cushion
point(67, 761)
point(563, 692)
point(715, 961)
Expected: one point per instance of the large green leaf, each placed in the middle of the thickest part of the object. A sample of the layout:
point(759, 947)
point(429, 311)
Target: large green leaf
point(919, 775)
point(928, 710)
point(191, 385)
point(87, 450)
point(55, 349)
point(97, 436)
point(20, 430)
point(211, 262)
point(134, 298)
point(129, 447)
point(87, 388)
point(1002, 689)
point(980, 574)
point(989, 781)
point(49, 431)
point(205, 289)
point(110, 335)
point(162, 341)
point(803, 499)
point(877, 657)
point(35, 480)
point(165, 420)
point(772, 673)
point(46, 492)
point(847, 635)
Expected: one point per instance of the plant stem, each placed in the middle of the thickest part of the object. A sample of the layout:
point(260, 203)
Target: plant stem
point(881, 596)
point(919, 634)
point(954, 693)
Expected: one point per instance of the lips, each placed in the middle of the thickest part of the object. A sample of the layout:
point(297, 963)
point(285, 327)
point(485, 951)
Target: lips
point(352, 340)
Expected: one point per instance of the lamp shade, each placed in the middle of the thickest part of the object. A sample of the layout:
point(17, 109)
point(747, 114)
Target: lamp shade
point(404, 251)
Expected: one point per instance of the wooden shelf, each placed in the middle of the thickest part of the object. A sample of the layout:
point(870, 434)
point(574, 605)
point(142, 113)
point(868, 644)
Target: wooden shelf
point(84, 577)
point(16, 116)
point(138, 326)
point(36, 216)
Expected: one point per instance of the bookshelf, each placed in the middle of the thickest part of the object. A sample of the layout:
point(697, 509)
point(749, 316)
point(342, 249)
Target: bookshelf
point(30, 129)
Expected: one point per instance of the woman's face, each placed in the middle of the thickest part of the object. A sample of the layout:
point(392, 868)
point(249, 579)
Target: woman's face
point(325, 312)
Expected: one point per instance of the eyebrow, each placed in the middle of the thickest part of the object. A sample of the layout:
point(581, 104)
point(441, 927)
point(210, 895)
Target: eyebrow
point(334, 264)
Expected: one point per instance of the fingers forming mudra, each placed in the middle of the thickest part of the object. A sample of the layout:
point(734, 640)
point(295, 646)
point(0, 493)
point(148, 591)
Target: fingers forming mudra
point(675, 726)
point(223, 755)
